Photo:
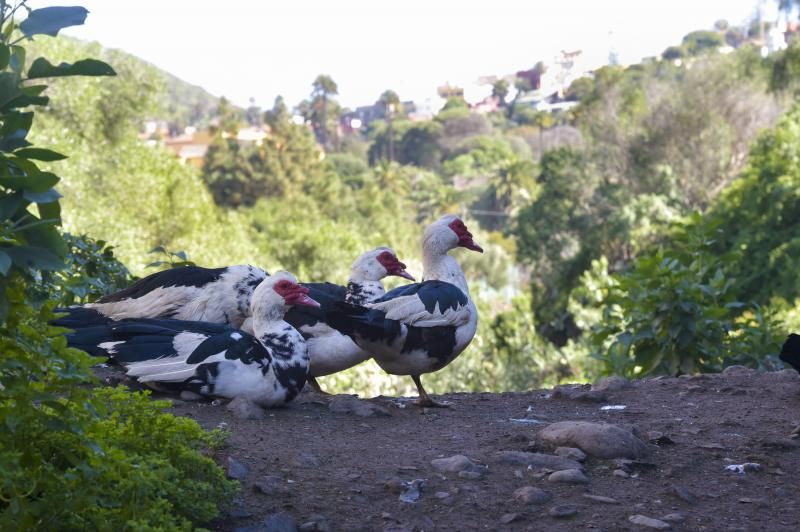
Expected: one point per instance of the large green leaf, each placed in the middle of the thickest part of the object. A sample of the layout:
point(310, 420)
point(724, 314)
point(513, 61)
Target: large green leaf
point(5, 56)
point(39, 154)
point(15, 122)
point(37, 183)
point(14, 141)
point(34, 257)
point(9, 87)
point(42, 68)
point(50, 20)
point(49, 211)
point(46, 236)
point(24, 101)
point(5, 262)
point(47, 196)
point(10, 204)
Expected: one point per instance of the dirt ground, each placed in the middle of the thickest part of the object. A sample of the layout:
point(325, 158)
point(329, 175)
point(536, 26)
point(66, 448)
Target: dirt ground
point(316, 467)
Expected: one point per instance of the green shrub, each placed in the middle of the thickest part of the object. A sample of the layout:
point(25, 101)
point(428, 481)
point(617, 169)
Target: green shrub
point(676, 312)
point(91, 271)
point(72, 456)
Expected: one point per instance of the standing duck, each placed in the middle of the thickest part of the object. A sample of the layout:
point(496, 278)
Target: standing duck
point(268, 368)
point(421, 327)
point(330, 350)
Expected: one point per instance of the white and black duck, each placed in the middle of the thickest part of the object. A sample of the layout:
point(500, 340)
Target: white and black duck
point(330, 350)
point(268, 368)
point(213, 295)
point(421, 327)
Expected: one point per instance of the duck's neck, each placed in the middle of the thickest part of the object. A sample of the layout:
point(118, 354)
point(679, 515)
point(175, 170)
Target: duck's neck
point(361, 291)
point(437, 265)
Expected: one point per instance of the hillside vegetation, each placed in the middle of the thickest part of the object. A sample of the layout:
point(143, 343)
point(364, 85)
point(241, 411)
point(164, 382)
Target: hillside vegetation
point(571, 207)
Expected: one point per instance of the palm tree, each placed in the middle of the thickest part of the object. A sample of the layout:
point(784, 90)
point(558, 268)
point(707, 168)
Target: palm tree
point(323, 88)
point(391, 103)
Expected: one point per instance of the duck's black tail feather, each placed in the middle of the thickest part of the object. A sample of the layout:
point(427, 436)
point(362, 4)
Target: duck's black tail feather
point(790, 352)
point(79, 317)
point(364, 323)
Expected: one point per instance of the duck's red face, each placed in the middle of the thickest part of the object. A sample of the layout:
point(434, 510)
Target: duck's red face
point(464, 236)
point(393, 265)
point(294, 294)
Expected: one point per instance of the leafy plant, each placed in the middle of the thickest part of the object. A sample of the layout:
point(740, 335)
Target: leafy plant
point(172, 259)
point(91, 272)
point(72, 456)
point(676, 312)
point(29, 239)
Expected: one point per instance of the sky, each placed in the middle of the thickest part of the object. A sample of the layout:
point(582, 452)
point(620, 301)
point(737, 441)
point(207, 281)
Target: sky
point(244, 49)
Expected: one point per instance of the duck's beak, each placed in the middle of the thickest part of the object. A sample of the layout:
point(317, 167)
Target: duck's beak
point(299, 298)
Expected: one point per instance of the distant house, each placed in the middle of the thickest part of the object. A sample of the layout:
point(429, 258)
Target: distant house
point(190, 147)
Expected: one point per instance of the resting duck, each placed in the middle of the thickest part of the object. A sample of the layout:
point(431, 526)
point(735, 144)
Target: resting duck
point(330, 350)
point(212, 359)
point(213, 295)
point(421, 327)
point(790, 352)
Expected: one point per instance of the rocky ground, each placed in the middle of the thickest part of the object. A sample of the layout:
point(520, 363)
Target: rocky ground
point(707, 452)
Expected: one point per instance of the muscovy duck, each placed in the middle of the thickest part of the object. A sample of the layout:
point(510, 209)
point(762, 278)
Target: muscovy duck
point(421, 327)
point(330, 350)
point(790, 352)
point(214, 295)
point(212, 359)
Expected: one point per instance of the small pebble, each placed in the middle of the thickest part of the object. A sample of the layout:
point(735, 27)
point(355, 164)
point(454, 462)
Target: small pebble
point(563, 510)
point(674, 517)
point(568, 476)
point(531, 495)
point(649, 522)
point(600, 498)
point(573, 453)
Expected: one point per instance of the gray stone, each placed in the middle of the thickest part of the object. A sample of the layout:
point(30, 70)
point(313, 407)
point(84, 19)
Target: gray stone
point(737, 370)
point(569, 476)
point(303, 459)
point(579, 393)
point(531, 495)
point(675, 517)
point(649, 522)
point(453, 464)
point(602, 440)
point(394, 485)
point(611, 384)
point(470, 475)
point(280, 522)
point(509, 518)
point(537, 460)
point(621, 473)
point(683, 494)
point(270, 485)
point(235, 469)
point(317, 524)
point(563, 510)
point(573, 453)
point(242, 408)
point(600, 498)
point(348, 404)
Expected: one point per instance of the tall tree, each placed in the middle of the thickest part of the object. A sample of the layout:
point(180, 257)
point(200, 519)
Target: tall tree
point(390, 102)
point(322, 107)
